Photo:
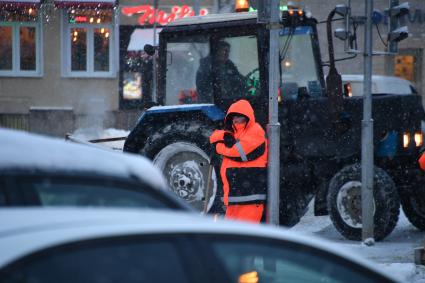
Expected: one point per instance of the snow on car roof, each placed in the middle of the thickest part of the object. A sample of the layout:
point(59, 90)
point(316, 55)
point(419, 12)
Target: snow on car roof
point(20, 234)
point(22, 150)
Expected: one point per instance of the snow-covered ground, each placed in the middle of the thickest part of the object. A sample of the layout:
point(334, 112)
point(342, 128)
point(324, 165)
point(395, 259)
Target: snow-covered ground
point(395, 254)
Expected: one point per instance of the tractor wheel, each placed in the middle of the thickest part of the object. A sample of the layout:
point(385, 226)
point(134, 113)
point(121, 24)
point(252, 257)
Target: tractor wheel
point(344, 203)
point(414, 207)
point(179, 151)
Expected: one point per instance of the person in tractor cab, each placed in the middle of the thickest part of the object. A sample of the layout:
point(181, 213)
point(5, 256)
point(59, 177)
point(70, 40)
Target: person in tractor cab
point(219, 72)
point(243, 146)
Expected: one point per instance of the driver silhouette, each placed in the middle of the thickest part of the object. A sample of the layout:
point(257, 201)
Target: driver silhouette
point(219, 72)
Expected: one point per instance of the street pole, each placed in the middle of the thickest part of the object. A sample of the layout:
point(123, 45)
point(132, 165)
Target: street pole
point(154, 59)
point(367, 134)
point(273, 127)
point(196, 7)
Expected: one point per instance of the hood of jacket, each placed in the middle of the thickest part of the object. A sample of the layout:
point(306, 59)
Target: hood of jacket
point(240, 107)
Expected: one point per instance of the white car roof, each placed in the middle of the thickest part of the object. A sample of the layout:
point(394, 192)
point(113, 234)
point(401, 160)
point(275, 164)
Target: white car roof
point(383, 84)
point(21, 235)
point(350, 77)
point(22, 150)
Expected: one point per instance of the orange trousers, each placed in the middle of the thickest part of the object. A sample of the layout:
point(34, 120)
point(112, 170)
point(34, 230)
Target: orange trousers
point(245, 212)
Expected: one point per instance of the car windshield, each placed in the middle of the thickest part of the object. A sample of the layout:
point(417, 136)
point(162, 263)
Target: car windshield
point(297, 62)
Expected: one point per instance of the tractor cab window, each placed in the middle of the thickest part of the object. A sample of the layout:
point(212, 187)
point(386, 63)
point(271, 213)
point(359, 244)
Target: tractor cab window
point(201, 69)
point(299, 72)
point(183, 58)
point(231, 71)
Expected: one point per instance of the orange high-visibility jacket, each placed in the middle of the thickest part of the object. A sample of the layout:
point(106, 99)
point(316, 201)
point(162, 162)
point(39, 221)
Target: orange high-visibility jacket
point(244, 167)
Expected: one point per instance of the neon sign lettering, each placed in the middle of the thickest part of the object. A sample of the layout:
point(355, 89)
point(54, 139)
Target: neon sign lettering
point(147, 14)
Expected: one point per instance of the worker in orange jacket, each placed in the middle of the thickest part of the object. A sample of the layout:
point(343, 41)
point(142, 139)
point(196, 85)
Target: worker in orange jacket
point(243, 171)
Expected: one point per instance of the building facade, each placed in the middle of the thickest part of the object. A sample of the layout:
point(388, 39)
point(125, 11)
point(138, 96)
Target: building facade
point(70, 64)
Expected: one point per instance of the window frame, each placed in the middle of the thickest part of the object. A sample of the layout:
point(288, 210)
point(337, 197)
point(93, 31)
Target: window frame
point(16, 49)
point(66, 47)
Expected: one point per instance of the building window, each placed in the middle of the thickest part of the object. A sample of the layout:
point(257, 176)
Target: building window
point(88, 43)
point(20, 42)
point(404, 67)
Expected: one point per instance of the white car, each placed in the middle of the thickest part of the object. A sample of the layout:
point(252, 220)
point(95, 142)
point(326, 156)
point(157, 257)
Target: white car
point(117, 245)
point(37, 170)
point(353, 85)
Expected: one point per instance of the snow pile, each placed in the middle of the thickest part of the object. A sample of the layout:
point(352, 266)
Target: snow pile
point(88, 134)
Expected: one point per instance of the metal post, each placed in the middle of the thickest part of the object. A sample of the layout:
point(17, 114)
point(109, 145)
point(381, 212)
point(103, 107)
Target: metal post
point(154, 59)
point(273, 127)
point(196, 7)
point(367, 134)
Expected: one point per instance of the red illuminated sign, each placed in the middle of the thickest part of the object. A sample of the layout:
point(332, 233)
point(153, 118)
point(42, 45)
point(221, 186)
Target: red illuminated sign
point(148, 15)
point(80, 19)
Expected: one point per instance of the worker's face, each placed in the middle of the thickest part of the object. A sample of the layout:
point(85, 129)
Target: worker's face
point(223, 54)
point(239, 120)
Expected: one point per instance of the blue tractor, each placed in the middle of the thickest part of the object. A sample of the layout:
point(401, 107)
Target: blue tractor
point(320, 127)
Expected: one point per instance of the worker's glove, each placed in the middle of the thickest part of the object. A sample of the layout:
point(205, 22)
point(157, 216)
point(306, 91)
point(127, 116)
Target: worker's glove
point(216, 136)
point(229, 139)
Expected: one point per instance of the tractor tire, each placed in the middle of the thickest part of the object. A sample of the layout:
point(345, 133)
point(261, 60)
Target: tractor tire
point(180, 152)
point(414, 208)
point(344, 203)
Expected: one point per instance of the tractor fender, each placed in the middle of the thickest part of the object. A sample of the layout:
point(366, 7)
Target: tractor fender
point(158, 117)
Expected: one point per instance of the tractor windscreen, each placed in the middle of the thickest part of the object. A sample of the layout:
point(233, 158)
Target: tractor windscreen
point(201, 69)
point(299, 73)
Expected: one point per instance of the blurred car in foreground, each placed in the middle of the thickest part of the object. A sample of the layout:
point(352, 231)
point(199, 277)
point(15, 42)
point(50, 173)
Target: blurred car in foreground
point(44, 171)
point(122, 245)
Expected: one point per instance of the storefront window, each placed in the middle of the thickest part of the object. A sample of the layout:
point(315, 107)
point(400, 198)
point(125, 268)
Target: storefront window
point(101, 49)
point(136, 67)
point(404, 67)
point(90, 42)
point(27, 47)
point(20, 40)
point(78, 49)
point(5, 48)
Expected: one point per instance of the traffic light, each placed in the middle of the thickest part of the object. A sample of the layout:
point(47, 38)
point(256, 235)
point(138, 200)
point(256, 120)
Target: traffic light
point(395, 32)
point(293, 15)
point(343, 11)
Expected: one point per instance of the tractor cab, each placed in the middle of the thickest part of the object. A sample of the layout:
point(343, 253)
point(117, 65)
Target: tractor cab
point(219, 59)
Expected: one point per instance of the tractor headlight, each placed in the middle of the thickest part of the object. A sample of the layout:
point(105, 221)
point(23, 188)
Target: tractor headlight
point(406, 140)
point(418, 139)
